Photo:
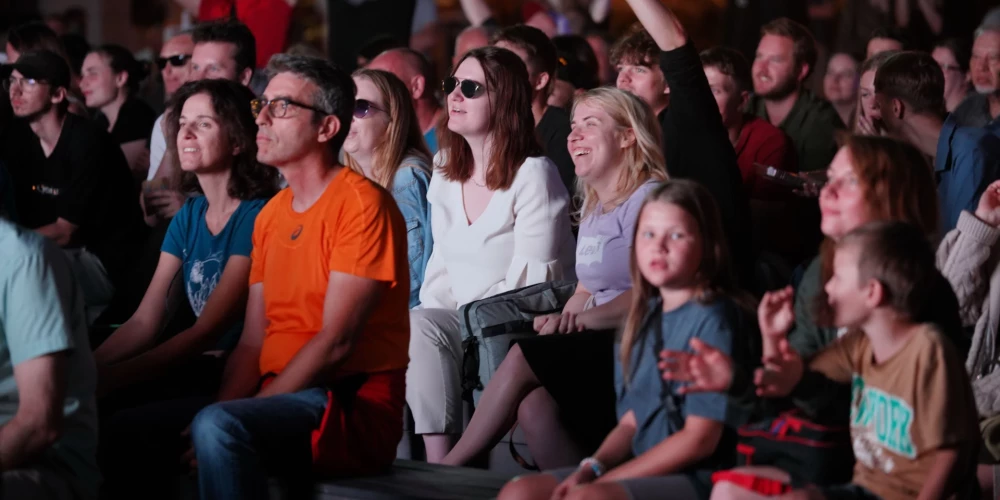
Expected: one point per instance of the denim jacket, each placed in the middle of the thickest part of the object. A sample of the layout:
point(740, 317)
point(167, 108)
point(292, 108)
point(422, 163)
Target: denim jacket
point(409, 188)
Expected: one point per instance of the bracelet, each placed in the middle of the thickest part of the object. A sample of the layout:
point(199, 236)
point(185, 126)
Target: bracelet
point(594, 464)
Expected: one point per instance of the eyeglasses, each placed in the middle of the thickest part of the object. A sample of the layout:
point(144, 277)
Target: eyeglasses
point(25, 84)
point(470, 89)
point(362, 107)
point(278, 107)
point(175, 61)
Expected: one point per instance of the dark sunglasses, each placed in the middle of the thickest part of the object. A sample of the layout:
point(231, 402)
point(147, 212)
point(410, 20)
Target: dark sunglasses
point(175, 61)
point(470, 89)
point(362, 107)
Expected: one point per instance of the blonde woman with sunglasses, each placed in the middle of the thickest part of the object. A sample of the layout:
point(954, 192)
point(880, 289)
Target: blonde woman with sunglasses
point(386, 145)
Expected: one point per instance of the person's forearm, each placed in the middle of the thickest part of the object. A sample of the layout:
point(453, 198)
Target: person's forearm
point(661, 24)
point(931, 15)
point(476, 11)
point(56, 232)
point(148, 365)
point(609, 315)
point(241, 376)
point(577, 302)
point(617, 447)
point(127, 341)
point(936, 482)
point(682, 449)
point(23, 439)
point(321, 355)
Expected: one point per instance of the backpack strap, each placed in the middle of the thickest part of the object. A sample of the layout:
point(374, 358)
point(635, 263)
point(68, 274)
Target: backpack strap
point(670, 400)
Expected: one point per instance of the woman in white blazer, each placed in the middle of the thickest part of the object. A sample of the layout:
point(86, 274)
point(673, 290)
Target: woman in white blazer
point(500, 221)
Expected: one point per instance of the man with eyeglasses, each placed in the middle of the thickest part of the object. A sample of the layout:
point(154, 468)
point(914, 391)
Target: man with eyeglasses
point(317, 380)
point(71, 181)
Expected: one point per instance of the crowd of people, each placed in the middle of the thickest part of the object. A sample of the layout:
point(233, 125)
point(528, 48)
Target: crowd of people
point(776, 293)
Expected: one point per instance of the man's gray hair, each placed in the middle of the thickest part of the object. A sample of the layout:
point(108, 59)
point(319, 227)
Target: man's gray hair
point(335, 87)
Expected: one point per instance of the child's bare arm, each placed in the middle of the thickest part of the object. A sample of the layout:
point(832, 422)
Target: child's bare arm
point(941, 480)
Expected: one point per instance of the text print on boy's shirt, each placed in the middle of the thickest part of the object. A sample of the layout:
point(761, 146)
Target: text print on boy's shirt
point(884, 421)
point(903, 409)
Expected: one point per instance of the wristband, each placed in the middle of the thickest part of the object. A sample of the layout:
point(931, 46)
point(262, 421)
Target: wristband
point(594, 464)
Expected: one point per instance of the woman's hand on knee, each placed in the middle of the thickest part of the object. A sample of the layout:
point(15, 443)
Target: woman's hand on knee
point(581, 477)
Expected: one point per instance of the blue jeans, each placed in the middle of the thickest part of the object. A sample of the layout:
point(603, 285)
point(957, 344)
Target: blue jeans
point(240, 443)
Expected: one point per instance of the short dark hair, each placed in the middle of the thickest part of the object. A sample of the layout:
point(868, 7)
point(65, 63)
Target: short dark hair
point(637, 47)
point(35, 36)
point(577, 61)
point(891, 33)
point(960, 49)
point(335, 88)
point(731, 63)
point(121, 60)
point(249, 178)
point(541, 53)
point(899, 256)
point(230, 31)
point(914, 78)
point(802, 39)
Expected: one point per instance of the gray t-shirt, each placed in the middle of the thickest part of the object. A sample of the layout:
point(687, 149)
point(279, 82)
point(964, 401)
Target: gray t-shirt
point(659, 410)
point(41, 313)
point(604, 244)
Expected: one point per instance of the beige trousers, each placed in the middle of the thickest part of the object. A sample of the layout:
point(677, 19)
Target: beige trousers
point(434, 378)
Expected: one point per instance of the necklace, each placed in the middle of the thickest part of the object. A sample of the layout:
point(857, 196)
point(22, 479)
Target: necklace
point(474, 181)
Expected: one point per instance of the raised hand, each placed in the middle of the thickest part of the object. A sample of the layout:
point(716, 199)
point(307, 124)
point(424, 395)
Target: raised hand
point(780, 373)
point(988, 210)
point(707, 369)
point(776, 313)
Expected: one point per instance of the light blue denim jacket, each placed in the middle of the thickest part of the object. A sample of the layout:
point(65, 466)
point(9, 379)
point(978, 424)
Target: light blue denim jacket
point(409, 188)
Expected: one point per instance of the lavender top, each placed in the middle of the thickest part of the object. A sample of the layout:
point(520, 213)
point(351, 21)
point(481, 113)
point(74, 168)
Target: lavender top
point(603, 246)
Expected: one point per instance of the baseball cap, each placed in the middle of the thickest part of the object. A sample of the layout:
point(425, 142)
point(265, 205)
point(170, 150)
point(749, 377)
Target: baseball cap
point(43, 65)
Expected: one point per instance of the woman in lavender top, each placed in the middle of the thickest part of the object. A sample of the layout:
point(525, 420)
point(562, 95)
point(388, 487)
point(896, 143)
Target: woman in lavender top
point(617, 157)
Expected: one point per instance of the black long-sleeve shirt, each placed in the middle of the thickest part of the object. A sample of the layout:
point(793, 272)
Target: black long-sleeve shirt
point(696, 146)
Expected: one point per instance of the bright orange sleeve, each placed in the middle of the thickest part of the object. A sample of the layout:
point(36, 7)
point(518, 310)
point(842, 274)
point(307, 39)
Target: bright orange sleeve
point(364, 244)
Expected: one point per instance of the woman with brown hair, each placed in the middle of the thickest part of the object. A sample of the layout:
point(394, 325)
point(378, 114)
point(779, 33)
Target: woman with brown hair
point(500, 221)
point(870, 179)
point(386, 145)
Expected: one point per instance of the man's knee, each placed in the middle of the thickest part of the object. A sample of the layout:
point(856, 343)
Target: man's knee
point(212, 426)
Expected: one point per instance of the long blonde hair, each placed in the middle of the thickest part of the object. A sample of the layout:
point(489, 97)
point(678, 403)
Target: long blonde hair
point(402, 138)
point(714, 272)
point(641, 162)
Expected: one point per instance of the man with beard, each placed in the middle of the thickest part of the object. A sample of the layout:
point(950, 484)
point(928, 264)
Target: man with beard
point(785, 57)
point(982, 107)
point(71, 181)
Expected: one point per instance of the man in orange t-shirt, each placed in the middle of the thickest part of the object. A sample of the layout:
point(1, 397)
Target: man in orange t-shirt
point(326, 335)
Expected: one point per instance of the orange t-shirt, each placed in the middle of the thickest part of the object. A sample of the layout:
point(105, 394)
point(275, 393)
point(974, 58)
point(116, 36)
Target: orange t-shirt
point(355, 228)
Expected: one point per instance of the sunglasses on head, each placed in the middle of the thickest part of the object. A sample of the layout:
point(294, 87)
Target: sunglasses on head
point(470, 89)
point(363, 107)
point(175, 61)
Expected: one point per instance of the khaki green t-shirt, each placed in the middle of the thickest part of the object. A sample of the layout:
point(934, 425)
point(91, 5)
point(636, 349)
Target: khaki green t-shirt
point(903, 409)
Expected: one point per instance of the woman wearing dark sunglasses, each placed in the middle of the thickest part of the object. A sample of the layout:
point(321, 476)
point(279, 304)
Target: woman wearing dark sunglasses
point(499, 214)
point(111, 78)
point(386, 145)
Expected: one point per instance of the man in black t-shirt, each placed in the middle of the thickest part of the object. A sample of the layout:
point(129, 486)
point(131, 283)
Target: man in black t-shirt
point(71, 181)
point(551, 123)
